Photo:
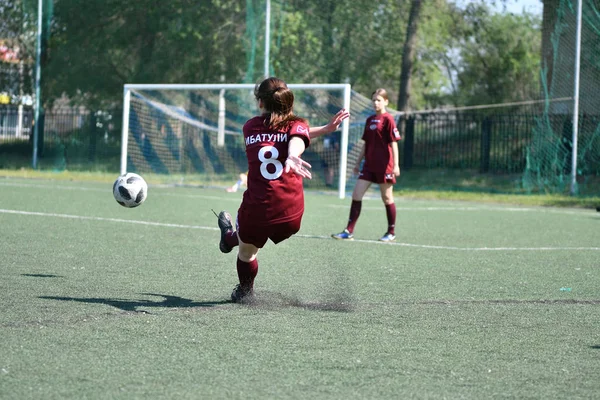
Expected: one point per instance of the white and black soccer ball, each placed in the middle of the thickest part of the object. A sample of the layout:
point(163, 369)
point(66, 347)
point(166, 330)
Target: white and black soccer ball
point(130, 190)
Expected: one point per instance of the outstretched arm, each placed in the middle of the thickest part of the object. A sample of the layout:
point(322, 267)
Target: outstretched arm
point(294, 163)
point(335, 122)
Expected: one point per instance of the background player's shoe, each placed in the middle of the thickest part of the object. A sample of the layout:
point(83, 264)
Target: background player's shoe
point(344, 235)
point(240, 295)
point(225, 226)
point(388, 237)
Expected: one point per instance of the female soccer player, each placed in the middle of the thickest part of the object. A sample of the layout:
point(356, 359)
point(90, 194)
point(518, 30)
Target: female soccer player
point(380, 150)
point(273, 203)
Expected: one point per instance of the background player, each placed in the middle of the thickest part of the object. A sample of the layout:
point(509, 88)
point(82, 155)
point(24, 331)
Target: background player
point(380, 150)
point(241, 182)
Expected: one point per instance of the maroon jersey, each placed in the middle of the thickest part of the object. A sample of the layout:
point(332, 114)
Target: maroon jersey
point(272, 196)
point(380, 131)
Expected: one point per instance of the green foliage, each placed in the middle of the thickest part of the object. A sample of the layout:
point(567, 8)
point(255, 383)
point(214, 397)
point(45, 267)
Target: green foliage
point(476, 56)
point(433, 81)
point(464, 56)
point(97, 46)
point(500, 57)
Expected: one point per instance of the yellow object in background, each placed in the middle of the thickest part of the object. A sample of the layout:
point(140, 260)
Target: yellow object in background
point(4, 98)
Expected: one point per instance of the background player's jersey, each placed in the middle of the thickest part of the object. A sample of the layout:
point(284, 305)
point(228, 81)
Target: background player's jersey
point(380, 131)
point(272, 196)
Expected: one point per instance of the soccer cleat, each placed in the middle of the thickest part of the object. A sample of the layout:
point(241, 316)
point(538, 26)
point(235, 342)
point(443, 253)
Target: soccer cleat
point(240, 295)
point(225, 225)
point(344, 235)
point(388, 237)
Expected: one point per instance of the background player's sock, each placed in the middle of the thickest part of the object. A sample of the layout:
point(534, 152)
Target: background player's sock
point(390, 211)
point(354, 214)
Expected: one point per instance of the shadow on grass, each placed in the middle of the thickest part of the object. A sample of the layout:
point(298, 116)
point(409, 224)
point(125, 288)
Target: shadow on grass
point(42, 275)
point(135, 305)
point(265, 300)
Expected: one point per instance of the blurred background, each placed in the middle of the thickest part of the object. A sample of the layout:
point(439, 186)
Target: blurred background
point(485, 92)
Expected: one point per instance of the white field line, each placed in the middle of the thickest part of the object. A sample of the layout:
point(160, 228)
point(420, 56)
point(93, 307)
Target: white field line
point(426, 246)
point(127, 221)
point(365, 207)
point(45, 187)
point(422, 246)
point(481, 208)
point(109, 188)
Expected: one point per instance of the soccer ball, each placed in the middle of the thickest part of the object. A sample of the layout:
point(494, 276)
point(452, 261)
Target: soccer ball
point(130, 190)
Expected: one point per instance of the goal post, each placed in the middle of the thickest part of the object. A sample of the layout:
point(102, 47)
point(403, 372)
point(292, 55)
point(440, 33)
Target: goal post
point(193, 132)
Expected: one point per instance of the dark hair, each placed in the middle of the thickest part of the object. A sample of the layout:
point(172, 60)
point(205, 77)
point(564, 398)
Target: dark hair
point(278, 102)
point(380, 92)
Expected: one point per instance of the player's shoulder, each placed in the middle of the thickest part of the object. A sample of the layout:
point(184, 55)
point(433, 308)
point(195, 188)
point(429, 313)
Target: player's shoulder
point(299, 127)
point(388, 116)
point(389, 119)
point(255, 121)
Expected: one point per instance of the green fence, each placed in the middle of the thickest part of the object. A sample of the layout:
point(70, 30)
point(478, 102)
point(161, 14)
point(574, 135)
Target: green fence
point(496, 143)
point(79, 140)
point(71, 138)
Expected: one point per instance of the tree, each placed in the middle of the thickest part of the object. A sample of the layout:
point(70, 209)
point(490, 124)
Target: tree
point(17, 32)
point(499, 57)
point(99, 45)
point(408, 55)
point(355, 41)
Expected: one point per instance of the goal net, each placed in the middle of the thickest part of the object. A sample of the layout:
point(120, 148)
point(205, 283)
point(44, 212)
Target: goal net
point(564, 151)
point(192, 134)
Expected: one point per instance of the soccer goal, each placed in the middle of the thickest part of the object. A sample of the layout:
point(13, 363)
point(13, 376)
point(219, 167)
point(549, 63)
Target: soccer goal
point(192, 133)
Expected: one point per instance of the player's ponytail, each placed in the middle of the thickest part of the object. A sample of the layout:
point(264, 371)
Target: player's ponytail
point(278, 102)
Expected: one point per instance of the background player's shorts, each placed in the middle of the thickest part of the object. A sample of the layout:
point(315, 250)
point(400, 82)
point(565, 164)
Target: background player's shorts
point(252, 233)
point(377, 177)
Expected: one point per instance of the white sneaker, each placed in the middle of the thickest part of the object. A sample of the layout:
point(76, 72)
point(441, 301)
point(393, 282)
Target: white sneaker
point(343, 235)
point(388, 237)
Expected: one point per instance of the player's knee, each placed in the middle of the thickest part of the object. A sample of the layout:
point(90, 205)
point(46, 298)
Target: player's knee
point(387, 199)
point(246, 255)
point(358, 193)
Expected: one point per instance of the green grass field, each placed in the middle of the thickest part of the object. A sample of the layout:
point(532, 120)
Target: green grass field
point(475, 300)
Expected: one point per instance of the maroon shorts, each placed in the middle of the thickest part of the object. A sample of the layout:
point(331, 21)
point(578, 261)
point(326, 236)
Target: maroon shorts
point(377, 177)
point(252, 233)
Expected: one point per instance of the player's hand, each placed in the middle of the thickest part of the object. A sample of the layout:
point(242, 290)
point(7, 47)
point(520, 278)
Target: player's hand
point(298, 166)
point(396, 171)
point(336, 120)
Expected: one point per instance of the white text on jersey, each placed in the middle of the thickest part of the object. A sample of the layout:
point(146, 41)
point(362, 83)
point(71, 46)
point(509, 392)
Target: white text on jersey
point(267, 137)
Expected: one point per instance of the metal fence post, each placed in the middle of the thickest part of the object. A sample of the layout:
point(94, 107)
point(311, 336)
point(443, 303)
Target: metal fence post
point(93, 137)
point(409, 142)
point(486, 144)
